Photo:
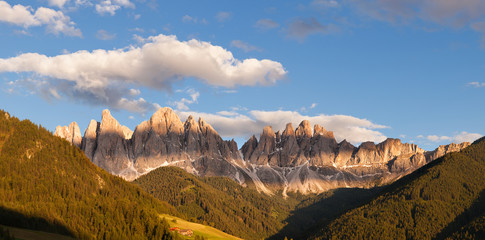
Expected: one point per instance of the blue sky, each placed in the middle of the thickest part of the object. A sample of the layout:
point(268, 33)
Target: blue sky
point(365, 69)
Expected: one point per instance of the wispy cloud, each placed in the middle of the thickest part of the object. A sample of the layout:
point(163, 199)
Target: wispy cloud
point(105, 35)
point(244, 46)
point(190, 19)
point(266, 24)
point(302, 28)
point(111, 6)
point(58, 3)
point(325, 4)
point(480, 28)
point(305, 109)
point(182, 104)
point(105, 77)
point(476, 84)
point(457, 138)
point(449, 13)
point(223, 16)
point(55, 21)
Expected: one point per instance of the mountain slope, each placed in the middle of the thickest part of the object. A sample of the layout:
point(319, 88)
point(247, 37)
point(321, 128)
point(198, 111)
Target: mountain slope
point(443, 199)
point(218, 202)
point(47, 184)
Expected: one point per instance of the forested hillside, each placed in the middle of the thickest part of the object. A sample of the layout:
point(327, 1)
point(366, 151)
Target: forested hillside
point(218, 202)
point(46, 184)
point(444, 199)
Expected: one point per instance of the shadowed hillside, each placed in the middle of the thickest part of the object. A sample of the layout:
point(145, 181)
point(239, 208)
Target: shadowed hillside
point(46, 184)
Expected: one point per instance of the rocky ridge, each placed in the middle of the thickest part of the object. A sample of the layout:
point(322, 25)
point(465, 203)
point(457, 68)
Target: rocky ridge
point(301, 159)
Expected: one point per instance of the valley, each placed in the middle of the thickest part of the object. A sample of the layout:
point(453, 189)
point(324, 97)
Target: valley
point(75, 198)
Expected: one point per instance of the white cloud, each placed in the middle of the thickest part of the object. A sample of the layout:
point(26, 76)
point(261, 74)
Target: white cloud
point(304, 109)
point(476, 84)
point(55, 21)
point(457, 138)
point(183, 103)
point(434, 138)
point(223, 16)
point(134, 92)
point(104, 77)
point(233, 124)
point(58, 3)
point(227, 113)
point(105, 35)
point(466, 137)
point(246, 47)
point(266, 24)
point(111, 6)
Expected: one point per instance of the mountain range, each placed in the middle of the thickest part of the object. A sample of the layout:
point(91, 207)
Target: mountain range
point(301, 160)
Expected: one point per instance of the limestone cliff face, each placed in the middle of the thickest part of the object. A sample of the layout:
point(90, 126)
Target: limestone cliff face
point(444, 149)
point(161, 141)
point(71, 133)
point(304, 159)
point(111, 146)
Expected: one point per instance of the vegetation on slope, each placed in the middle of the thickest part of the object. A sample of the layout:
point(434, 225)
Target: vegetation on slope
point(46, 184)
point(202, 231)
point(242, 211)
point(443, 199)
point(217, 201)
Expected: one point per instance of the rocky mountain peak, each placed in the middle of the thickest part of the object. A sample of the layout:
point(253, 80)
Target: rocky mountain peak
point(109, 125)
point(71, 133)
point(89, 140)
point(165, 121)
point(267, 131)
point(127, 133)
point(289, 131)
point(248, 147)
point(304, 129)
point(319, 130)
point(190, 125)
point(206, 128)
point(92, 129)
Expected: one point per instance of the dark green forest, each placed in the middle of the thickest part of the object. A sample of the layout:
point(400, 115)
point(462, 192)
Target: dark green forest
point(242, 211)
point(48, 185)
point(217, 201)
point(442, 200)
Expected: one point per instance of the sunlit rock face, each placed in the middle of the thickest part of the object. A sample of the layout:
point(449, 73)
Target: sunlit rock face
point(71, 133)
point(305, 159)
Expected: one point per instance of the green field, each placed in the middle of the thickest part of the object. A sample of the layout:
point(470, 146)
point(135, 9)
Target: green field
point(208, 232)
